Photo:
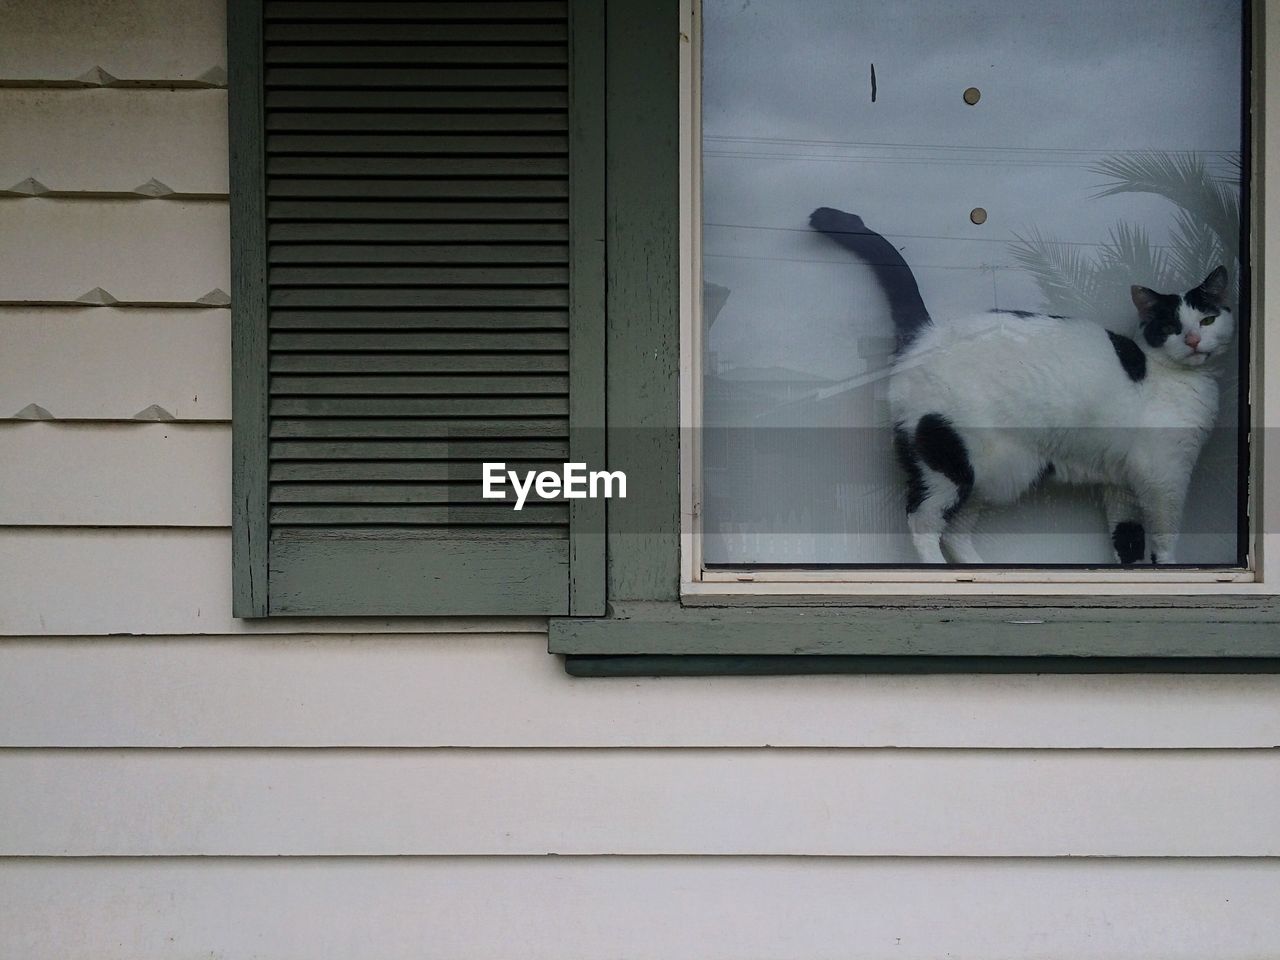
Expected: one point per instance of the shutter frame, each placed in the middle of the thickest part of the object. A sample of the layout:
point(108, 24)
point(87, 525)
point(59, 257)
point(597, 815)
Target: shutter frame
point(434, 555)
point(249, 390)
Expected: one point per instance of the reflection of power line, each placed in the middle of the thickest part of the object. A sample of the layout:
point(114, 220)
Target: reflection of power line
point(990, 148)
point(898, 161)
point(917, 236)
point(993, 161)
point(846, 263)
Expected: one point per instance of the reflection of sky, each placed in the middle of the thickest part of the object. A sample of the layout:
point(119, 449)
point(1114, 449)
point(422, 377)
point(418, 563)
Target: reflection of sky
point(789, 125)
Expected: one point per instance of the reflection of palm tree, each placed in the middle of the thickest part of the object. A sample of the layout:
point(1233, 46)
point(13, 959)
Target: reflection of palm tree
point(1206, 232)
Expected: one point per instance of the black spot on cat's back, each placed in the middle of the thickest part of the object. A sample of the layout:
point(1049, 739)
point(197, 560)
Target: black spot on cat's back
point(1128, 538)
point(942, 449)
point(1130, 356)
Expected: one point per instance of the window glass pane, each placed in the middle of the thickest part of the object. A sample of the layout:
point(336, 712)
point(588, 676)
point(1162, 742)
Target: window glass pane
point(1019, 160)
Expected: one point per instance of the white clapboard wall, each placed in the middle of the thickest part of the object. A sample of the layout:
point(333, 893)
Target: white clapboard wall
point(440, 788)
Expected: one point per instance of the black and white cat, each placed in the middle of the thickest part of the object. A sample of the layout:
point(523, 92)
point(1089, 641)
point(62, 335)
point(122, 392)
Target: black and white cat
point(985, 406)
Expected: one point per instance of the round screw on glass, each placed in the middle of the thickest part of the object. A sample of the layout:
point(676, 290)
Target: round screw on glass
point(978, 215)
point(972, 96)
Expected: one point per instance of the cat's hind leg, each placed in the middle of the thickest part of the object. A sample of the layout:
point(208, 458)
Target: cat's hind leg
point(1162, 497)
point(939, 481)
point(1124, 520)
point(927, 524)
point(957, 538)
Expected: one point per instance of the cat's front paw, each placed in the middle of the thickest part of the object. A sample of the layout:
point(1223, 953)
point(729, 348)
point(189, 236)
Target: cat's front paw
point(1162, 550)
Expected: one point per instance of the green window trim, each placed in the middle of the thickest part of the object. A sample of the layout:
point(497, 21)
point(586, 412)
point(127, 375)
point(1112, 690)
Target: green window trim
point(890, 635)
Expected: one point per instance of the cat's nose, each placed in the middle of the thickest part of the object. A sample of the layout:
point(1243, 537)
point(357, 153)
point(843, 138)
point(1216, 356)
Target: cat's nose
point(1192, 339)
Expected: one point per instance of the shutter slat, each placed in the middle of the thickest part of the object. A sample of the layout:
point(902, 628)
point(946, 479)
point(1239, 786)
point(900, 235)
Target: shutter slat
point(477, 100)
point(425, 297)
point(429, 406)
point(369, 169)
point(350, 121)
point(421, 342)
point(419, 320)
point(345, 54)
point(529, 232)
point(338, 276)
point(352, 471)
point(418, 189)
point(419, 253)
point(413, 10)
point(283, 386)
point(348, 78)
point(395, 493)
point(372, 363)
point(426, 428)
point(415, 144)
point(392, 450)
point(416, 210)
point(287, 32)
point(495, 511)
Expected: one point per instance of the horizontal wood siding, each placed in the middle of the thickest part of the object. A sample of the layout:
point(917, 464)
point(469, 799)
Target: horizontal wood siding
point(157, 580)
point(498, 690)
point(567, 908)
point(692, 802)
point(61, 250)
point(161, 43)
point(116, 363)
point(136, 474)
point(145, 142)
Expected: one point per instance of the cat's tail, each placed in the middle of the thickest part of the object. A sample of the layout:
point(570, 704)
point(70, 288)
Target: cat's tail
point(899, 283)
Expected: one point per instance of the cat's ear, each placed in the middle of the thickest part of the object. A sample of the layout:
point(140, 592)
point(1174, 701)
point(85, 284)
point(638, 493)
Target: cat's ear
point(1214, 286)
point(1144, 299)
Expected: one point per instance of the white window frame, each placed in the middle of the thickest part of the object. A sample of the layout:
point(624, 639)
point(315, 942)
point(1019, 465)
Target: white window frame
point(1260, 576)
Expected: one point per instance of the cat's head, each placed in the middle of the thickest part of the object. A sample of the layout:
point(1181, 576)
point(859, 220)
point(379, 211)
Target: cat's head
point(1186, 328)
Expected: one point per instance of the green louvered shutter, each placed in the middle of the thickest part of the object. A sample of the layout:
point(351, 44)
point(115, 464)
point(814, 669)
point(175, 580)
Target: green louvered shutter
point(426, 295)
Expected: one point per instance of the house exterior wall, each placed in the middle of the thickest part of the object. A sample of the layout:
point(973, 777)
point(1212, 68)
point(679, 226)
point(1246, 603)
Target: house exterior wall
point(439, 788)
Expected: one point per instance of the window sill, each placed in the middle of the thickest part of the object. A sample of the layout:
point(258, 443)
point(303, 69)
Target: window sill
point(920, 635)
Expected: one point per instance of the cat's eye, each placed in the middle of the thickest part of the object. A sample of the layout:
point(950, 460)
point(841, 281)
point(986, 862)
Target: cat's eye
point(1207, 321)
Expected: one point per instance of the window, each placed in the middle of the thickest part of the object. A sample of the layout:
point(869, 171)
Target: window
point(770, 610)
point(861, 379)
